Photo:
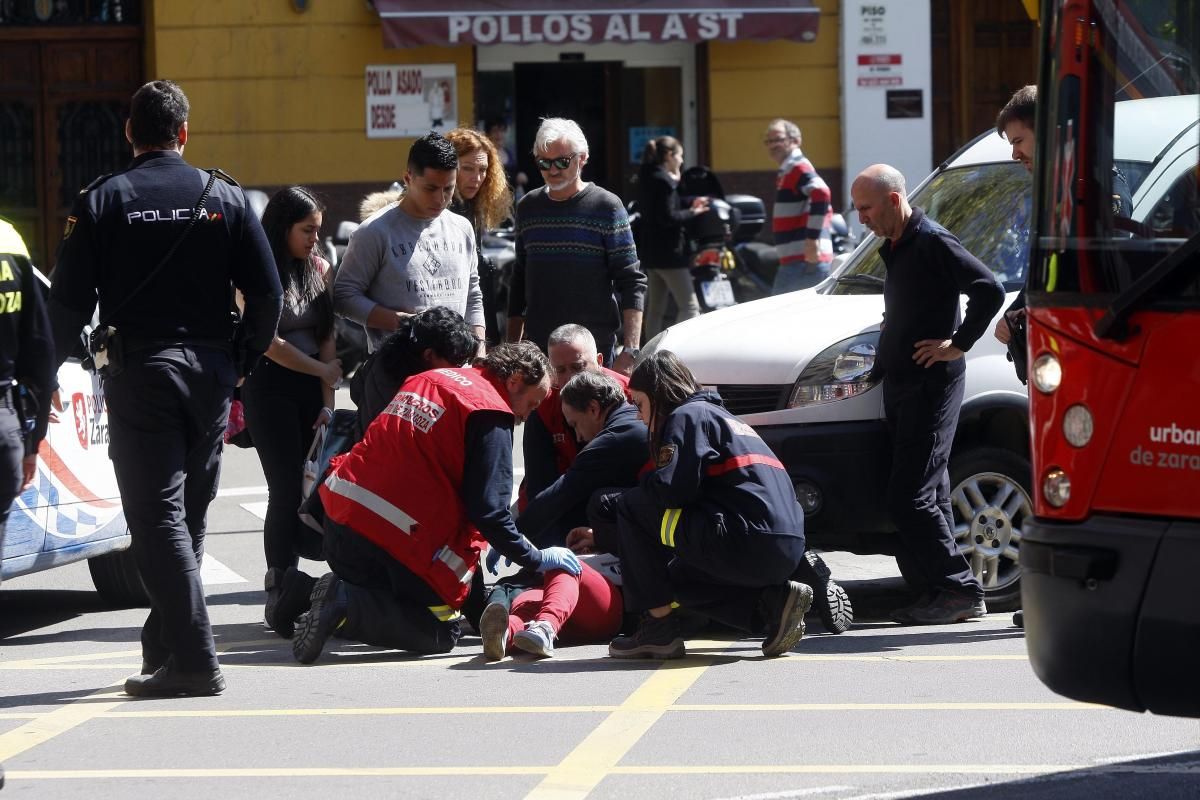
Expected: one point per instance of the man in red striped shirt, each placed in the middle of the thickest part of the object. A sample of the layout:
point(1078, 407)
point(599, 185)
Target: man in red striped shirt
point(803, 216)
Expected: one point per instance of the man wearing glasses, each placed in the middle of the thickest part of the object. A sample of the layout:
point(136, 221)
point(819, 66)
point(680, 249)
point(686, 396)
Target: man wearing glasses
point(575, 252)
point(802, 219)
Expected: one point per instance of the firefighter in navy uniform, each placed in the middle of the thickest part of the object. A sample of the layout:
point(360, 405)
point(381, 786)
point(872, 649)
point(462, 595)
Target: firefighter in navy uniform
point(26, 360)
point(715, 529)
point(163, 245)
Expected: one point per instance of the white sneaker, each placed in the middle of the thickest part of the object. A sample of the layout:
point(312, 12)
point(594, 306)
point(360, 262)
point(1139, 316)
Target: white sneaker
point(537, 638)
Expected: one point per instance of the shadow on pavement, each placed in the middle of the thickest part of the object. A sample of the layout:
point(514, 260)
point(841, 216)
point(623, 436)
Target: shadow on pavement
point(1159, 778)
point(24, 610)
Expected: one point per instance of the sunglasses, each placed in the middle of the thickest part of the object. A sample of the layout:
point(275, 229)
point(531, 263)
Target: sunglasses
point(558, 163)
point(775, 140)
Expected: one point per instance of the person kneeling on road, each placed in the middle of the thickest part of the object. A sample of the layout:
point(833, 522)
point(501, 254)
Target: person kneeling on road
point(587, 608)
point(404, 545)
point(715, 529)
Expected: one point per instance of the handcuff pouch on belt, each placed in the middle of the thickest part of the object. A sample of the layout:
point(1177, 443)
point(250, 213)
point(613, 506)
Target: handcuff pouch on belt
point(106, 350)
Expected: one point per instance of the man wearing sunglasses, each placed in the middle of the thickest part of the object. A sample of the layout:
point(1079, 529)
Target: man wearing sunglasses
point(803, 218)
point(575, 253)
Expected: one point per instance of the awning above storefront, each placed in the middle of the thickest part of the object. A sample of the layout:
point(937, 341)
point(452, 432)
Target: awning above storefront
point(412, 23)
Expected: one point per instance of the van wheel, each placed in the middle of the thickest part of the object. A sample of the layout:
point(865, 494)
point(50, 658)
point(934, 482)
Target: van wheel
point(117, 579)
point(990, 497)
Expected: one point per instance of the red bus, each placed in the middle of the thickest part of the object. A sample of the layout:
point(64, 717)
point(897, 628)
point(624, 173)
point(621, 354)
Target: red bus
point(1111, 582)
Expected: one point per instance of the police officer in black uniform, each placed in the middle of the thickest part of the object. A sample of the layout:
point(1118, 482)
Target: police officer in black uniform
point(26, 370)
point(163, 245)
point(921, 351)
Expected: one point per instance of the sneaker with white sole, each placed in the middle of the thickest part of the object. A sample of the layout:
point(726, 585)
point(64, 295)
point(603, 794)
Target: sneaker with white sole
point(493, 629)
point(537, 638)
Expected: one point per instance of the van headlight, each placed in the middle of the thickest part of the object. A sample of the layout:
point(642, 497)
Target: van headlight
point(838, 372)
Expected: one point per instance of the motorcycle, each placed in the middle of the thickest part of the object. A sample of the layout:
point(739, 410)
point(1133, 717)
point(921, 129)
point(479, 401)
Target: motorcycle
point(749, 264)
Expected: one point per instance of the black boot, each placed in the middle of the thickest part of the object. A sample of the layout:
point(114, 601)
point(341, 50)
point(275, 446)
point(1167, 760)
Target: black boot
point(655, 637)
point(830, 600)
point(327, 614)
point(167, 681)
point(292, 598)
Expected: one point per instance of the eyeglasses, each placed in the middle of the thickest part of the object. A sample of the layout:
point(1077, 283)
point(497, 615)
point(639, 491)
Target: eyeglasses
point(775, 140)
point(558, 163)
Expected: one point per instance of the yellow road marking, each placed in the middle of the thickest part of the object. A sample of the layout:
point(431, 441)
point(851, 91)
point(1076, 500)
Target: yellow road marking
point(50, 664)
point(60, 720)
point(456, 770)
point(388, 711)
point(597, 755)
point(82, 658)
point(45, 727)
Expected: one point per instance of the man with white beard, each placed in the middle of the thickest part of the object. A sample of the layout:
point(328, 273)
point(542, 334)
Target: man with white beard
point(575, 252)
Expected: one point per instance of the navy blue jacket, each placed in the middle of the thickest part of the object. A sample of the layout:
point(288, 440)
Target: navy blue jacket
point(710, 463)
point(119, 230)
point(927, 269)
point(611, 460)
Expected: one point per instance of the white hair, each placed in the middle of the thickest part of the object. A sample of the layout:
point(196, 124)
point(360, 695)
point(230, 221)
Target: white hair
point(555, 129)
point(573, 334)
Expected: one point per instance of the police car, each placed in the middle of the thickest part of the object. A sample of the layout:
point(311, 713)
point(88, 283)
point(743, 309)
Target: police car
point(72, 510)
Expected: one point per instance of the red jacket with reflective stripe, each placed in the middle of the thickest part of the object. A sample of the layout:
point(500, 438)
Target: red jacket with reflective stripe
point(400, 486)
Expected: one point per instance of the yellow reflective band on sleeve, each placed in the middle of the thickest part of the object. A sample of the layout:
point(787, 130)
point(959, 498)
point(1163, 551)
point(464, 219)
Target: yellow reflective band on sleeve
point(667, 530)
point(675, 604)
point(445, 613)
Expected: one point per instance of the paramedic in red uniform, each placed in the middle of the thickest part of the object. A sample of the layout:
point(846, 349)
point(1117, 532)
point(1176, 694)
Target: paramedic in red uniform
point(550, 444)
point(412, 506)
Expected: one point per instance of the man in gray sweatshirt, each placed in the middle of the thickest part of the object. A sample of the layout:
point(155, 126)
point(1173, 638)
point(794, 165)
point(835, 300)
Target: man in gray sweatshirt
point(414, 254)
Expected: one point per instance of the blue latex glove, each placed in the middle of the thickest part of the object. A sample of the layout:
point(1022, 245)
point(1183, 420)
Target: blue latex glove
point(559, 558)
point(493, 560)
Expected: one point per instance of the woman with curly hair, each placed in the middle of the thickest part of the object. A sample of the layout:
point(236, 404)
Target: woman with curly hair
point(483, 196)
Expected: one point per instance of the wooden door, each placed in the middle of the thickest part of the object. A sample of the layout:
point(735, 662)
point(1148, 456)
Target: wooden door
point(983, 51)
point(63, 106)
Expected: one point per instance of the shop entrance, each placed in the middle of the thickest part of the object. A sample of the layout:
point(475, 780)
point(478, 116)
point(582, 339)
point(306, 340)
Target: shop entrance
point(619, 94)
point(585, 91)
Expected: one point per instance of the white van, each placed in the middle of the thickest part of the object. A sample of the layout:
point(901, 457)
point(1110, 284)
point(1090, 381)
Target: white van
point(798, 367)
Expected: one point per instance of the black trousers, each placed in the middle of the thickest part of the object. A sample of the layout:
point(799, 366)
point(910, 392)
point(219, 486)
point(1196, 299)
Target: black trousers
point(281, 407)
point(12, 451)
point(710, 570)
point(387, 605)
point(167, 412)
point(922, 414)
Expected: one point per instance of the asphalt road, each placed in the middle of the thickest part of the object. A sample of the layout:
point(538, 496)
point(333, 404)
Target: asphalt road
point(881, 711)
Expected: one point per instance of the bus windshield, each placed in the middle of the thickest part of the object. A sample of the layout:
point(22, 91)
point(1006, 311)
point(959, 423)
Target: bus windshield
point(1117, 205)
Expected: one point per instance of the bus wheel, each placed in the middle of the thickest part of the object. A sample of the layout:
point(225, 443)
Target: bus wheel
point(117, 580)
point(991, 502)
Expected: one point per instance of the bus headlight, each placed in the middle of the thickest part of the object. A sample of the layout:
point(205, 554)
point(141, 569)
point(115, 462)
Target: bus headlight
point(1047, 373)
point(1077, 425)
point(838, 372)
point(1056, 488)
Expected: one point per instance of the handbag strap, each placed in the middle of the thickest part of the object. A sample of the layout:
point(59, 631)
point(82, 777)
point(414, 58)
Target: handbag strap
point(212, 177)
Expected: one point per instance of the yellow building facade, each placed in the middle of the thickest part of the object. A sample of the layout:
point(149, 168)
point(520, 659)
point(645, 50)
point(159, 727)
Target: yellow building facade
point(278, 94)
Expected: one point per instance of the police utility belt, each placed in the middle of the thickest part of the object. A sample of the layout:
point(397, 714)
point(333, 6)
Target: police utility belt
point(106, 346)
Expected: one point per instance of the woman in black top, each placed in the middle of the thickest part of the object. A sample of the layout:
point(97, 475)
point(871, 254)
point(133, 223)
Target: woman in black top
point(483, 196)
point(290, 393)
point(662, 240)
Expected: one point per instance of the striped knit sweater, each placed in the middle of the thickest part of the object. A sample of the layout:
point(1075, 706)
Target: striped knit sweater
point(573, 257)
point(802, 210)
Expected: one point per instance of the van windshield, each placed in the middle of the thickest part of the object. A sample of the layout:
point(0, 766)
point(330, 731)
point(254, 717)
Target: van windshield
point(987, 206)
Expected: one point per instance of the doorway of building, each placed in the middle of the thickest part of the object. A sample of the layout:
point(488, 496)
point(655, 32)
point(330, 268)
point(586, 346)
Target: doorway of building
point(585, 91)
point(63, 105)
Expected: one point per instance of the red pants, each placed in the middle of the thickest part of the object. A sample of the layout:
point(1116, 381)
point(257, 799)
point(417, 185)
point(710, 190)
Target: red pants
point(581, 609)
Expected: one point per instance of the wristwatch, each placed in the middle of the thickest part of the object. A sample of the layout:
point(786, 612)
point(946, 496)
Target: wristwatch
point(633, 351)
